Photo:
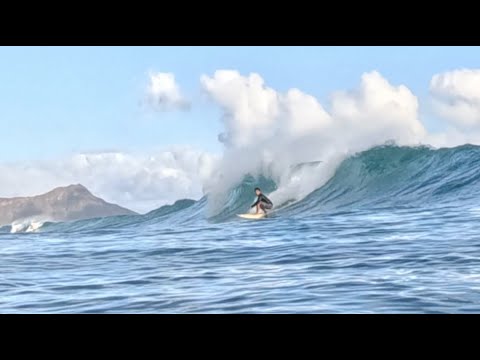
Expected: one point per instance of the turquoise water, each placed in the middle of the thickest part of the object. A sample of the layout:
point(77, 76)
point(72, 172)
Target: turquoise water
point(394, 230)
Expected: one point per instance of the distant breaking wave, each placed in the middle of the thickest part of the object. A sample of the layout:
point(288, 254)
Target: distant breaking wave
point(384, 176)
point(28, 225)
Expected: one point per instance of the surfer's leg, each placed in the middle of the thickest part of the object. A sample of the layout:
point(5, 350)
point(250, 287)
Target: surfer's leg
point(262, 206)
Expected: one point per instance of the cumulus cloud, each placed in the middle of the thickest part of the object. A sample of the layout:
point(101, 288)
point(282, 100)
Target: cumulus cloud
point(269, 132)
point(250, 108)
point(453, 136)
point(377, 111)
point(164, 94)
point(255, 113)
point(456, 97)
point(138, 181)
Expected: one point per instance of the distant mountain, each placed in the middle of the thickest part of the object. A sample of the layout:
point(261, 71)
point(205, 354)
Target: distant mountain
point(68, 203)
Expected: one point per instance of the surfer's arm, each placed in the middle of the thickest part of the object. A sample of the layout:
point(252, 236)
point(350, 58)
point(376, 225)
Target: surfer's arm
point(256, 202)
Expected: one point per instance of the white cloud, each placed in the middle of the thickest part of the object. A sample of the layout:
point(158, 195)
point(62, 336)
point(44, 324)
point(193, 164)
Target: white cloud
point(453, 136)
point(164, 93)
point(377, 112)
point(303, 114)
point(456, 96)
point(137, 181)
point(250, 107)
point(255, 113)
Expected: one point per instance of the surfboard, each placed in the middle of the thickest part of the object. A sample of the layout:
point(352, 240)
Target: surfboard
point(252, 216)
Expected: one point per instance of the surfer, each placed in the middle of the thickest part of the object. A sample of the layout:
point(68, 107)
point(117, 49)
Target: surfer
point(262, 202)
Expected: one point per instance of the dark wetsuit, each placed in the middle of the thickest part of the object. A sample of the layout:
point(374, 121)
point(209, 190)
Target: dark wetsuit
point(265, 202)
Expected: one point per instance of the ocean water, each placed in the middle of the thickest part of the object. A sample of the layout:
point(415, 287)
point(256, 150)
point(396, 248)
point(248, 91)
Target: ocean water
point(395, 230)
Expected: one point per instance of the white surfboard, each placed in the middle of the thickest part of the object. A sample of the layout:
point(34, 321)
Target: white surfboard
point(252, 216)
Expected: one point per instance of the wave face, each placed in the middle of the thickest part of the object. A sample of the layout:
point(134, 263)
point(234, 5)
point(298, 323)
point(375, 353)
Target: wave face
point(393, 176)
point(382, 177)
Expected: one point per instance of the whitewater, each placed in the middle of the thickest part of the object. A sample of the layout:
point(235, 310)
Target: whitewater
point(393, 229)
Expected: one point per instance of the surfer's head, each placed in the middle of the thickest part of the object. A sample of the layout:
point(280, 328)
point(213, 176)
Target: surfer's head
point(258, 191)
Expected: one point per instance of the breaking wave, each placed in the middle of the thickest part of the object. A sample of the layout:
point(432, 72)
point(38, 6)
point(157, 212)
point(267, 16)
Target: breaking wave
point(382, 177)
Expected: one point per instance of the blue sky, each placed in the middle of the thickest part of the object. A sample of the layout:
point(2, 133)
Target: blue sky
point(55, 101)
